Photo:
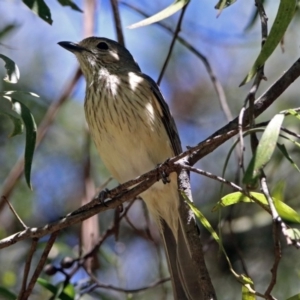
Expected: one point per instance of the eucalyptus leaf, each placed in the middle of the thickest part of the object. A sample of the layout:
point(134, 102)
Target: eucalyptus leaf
point(283, 18)
point(264, 150)
point(40, 8)
point(163, 14)
point(13, 73)
point(284, 211)
point(8, 108)
point(57, 290)
point(30, 127)
point(70, 4)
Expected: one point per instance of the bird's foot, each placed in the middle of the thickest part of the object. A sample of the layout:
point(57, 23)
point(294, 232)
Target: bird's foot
point(162, 172)
point(103, 196)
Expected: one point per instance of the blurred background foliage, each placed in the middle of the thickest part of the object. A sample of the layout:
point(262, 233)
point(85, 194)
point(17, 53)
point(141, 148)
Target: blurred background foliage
point(231, 46)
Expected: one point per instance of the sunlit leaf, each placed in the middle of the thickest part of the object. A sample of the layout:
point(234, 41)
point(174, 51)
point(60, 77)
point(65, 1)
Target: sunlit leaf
point(294, 113)
point(278, 190)
point(247, 294)
point(70, 3)
point(284, 211)
point(40, 8)
point(283, 18)
point(264, 150)
point(13, 73)
point(56, 290)
point(163, 14)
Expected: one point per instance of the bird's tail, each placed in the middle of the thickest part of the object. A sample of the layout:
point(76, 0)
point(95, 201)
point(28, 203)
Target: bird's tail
point(182, 267)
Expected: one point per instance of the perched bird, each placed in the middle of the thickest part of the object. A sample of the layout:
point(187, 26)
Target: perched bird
point(134, 131)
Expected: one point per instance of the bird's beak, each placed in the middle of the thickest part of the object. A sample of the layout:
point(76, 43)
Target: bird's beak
point(75, 48)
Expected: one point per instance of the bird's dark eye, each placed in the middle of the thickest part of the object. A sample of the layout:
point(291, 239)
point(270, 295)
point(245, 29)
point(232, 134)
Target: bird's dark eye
point(102, 46)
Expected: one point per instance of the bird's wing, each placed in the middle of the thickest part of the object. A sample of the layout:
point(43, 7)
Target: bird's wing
point(166, 116)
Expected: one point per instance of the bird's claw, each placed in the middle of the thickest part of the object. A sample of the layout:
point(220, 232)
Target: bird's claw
point(164, 176)
point(104, 196)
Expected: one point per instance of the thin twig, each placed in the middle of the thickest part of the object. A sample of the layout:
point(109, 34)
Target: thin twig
point(117, 20)
point(39, 267)
point(276, 231)
point(4, 198)
point(175, 36)
point(34, 244)
point(127, 291)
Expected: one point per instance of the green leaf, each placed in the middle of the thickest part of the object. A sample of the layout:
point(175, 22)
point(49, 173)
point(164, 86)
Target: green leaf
point(223, 4)
point(284, 211)
point(247, 294)
point(7, 107)
point(264, 150)
point(163, 14)
point(69, 3)
point(30, 126)
point(201, 218)
point(6, 294)
point(58, 291)
point(295, 297)
point(287, 156)
point(283, 18)
point(278, 190)
point(294, 113)
point(40, 8)
point(13, 73)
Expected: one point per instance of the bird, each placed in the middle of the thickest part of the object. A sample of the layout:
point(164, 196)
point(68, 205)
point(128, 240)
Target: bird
point(134, 131)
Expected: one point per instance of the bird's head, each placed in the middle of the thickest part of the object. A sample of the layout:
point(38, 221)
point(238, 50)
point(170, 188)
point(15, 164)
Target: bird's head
point(98, 54)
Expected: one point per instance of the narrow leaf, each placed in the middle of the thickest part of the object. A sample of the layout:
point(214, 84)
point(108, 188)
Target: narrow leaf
point(285, 153)
point(70, 3)
point(13, 73)
point(283, 18)
point(54, 289)
point(163, 14)
point(30, 126)
point(201, 218)
point(285, 211)
point(7, 29)
point(8, 108)
point(294, 113)
point(223, 4)
point(264, 150)
point(247, 294)
point(40, 8)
